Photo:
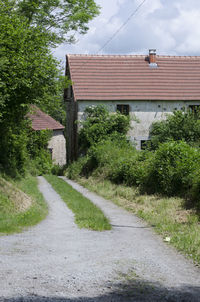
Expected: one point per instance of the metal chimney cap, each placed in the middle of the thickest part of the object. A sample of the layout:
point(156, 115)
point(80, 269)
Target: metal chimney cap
point(152, 51)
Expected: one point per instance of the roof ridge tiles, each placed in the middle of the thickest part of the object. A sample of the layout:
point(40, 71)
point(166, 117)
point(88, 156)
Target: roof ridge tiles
point(104, 56)
point(131, 55)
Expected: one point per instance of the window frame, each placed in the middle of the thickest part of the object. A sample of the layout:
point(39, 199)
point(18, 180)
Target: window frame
point(194, 108)
point(123, 109)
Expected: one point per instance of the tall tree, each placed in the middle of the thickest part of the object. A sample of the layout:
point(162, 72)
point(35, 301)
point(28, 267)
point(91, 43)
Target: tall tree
point(59, 19)
point(28, 72)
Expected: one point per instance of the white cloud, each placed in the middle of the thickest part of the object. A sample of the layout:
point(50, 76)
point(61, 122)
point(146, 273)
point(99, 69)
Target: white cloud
point(172, 27)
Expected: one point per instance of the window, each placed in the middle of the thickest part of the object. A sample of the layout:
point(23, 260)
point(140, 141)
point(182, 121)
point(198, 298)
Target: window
point(194, 108)
point(123, 109)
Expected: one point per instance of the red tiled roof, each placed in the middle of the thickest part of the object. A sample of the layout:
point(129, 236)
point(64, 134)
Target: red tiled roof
point(42, 121)
point(131, 78)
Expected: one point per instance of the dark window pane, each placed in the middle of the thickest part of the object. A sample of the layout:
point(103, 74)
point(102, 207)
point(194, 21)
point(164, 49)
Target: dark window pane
point(194, 108)
point(123, 109)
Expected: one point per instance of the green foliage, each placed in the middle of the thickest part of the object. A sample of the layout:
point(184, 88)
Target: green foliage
point(27, 67)
point(57, 19)
point(87, 215)
point(12, 220)
point(29, 74)
point(76, 168)
point(132, 170)
point(168, 216)
point(172, 167)
point(179, 126)
point(99, 124)
point(13, 148)
point(52, 102)
point(193, 194)
point(40, 159)
point(37, 141)
point(27, 71)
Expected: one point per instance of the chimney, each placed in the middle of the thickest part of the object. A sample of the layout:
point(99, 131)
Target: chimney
point(152, 58)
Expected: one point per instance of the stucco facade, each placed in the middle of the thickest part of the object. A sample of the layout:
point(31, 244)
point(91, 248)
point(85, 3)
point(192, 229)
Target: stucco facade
point(57, 146)
point(142, 114)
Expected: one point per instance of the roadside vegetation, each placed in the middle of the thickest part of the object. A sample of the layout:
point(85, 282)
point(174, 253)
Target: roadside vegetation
point(21, 205)
point(167, 215)
point(160, 184)
point(30, 75)
point(87, 215)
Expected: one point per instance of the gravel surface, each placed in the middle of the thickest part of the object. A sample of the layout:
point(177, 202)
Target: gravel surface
point(57, 261)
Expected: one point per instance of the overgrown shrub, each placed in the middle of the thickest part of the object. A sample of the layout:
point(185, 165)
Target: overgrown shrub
point(180, 125)
point(39, 157)
point(170, 171)
point(13, 149)
point(133, 170)
point(99, 124)
point(75, 169)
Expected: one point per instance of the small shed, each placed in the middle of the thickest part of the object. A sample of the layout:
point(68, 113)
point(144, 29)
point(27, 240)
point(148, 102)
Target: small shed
point(57, 143)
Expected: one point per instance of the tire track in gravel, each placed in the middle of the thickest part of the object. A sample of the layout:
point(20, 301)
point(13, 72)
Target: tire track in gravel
point(57, 261)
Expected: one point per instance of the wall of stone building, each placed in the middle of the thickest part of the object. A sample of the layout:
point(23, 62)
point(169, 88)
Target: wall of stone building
point(71, 131)
point(142, 113)
point(57, 146)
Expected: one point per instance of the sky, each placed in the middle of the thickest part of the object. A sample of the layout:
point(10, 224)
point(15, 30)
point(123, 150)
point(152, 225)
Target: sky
point(172, 27)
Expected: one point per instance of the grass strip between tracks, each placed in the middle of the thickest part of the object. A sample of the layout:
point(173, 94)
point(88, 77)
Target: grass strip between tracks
point(87, 215)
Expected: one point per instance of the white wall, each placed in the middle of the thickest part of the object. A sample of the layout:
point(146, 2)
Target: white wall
point(58, 145)
point(146, 112)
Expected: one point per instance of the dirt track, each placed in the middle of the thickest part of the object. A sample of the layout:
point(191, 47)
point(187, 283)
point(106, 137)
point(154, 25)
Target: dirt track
point(56, 261)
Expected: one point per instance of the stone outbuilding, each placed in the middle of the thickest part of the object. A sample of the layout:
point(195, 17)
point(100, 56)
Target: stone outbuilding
point(146, 87)
point(57, 143)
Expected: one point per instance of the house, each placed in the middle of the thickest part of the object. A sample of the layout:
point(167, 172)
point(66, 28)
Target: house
point(57, 144)
point(147, 87)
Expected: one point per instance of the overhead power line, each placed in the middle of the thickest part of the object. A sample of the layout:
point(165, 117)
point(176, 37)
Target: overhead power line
point(122, 26)
point(116, 32)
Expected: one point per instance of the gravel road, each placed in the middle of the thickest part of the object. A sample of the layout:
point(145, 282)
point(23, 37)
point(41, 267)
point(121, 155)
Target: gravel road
point(57, 261)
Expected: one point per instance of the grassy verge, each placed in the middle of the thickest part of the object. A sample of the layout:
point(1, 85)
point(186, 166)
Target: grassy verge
point(87, 215)
point(19, 210)
point(167, 215)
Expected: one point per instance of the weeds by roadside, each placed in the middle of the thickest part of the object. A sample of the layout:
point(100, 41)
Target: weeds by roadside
point(167, 215)
point(87, 215)
point(15, 215)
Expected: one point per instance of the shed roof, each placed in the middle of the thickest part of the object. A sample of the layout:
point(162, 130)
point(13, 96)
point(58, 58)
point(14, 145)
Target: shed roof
point(130, 77)
point(42, 121)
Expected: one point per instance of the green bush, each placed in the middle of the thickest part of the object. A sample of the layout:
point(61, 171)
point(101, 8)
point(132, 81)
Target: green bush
point(13, 150)
point(133, 170)
point(193, 194)
point(170, 171)
point(178, 126)
point(75, 169)
point(39, 157)
point(99, 124)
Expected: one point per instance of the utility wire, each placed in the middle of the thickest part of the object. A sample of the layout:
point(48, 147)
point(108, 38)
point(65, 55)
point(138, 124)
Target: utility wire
point(116, 32)
point(122, 26)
